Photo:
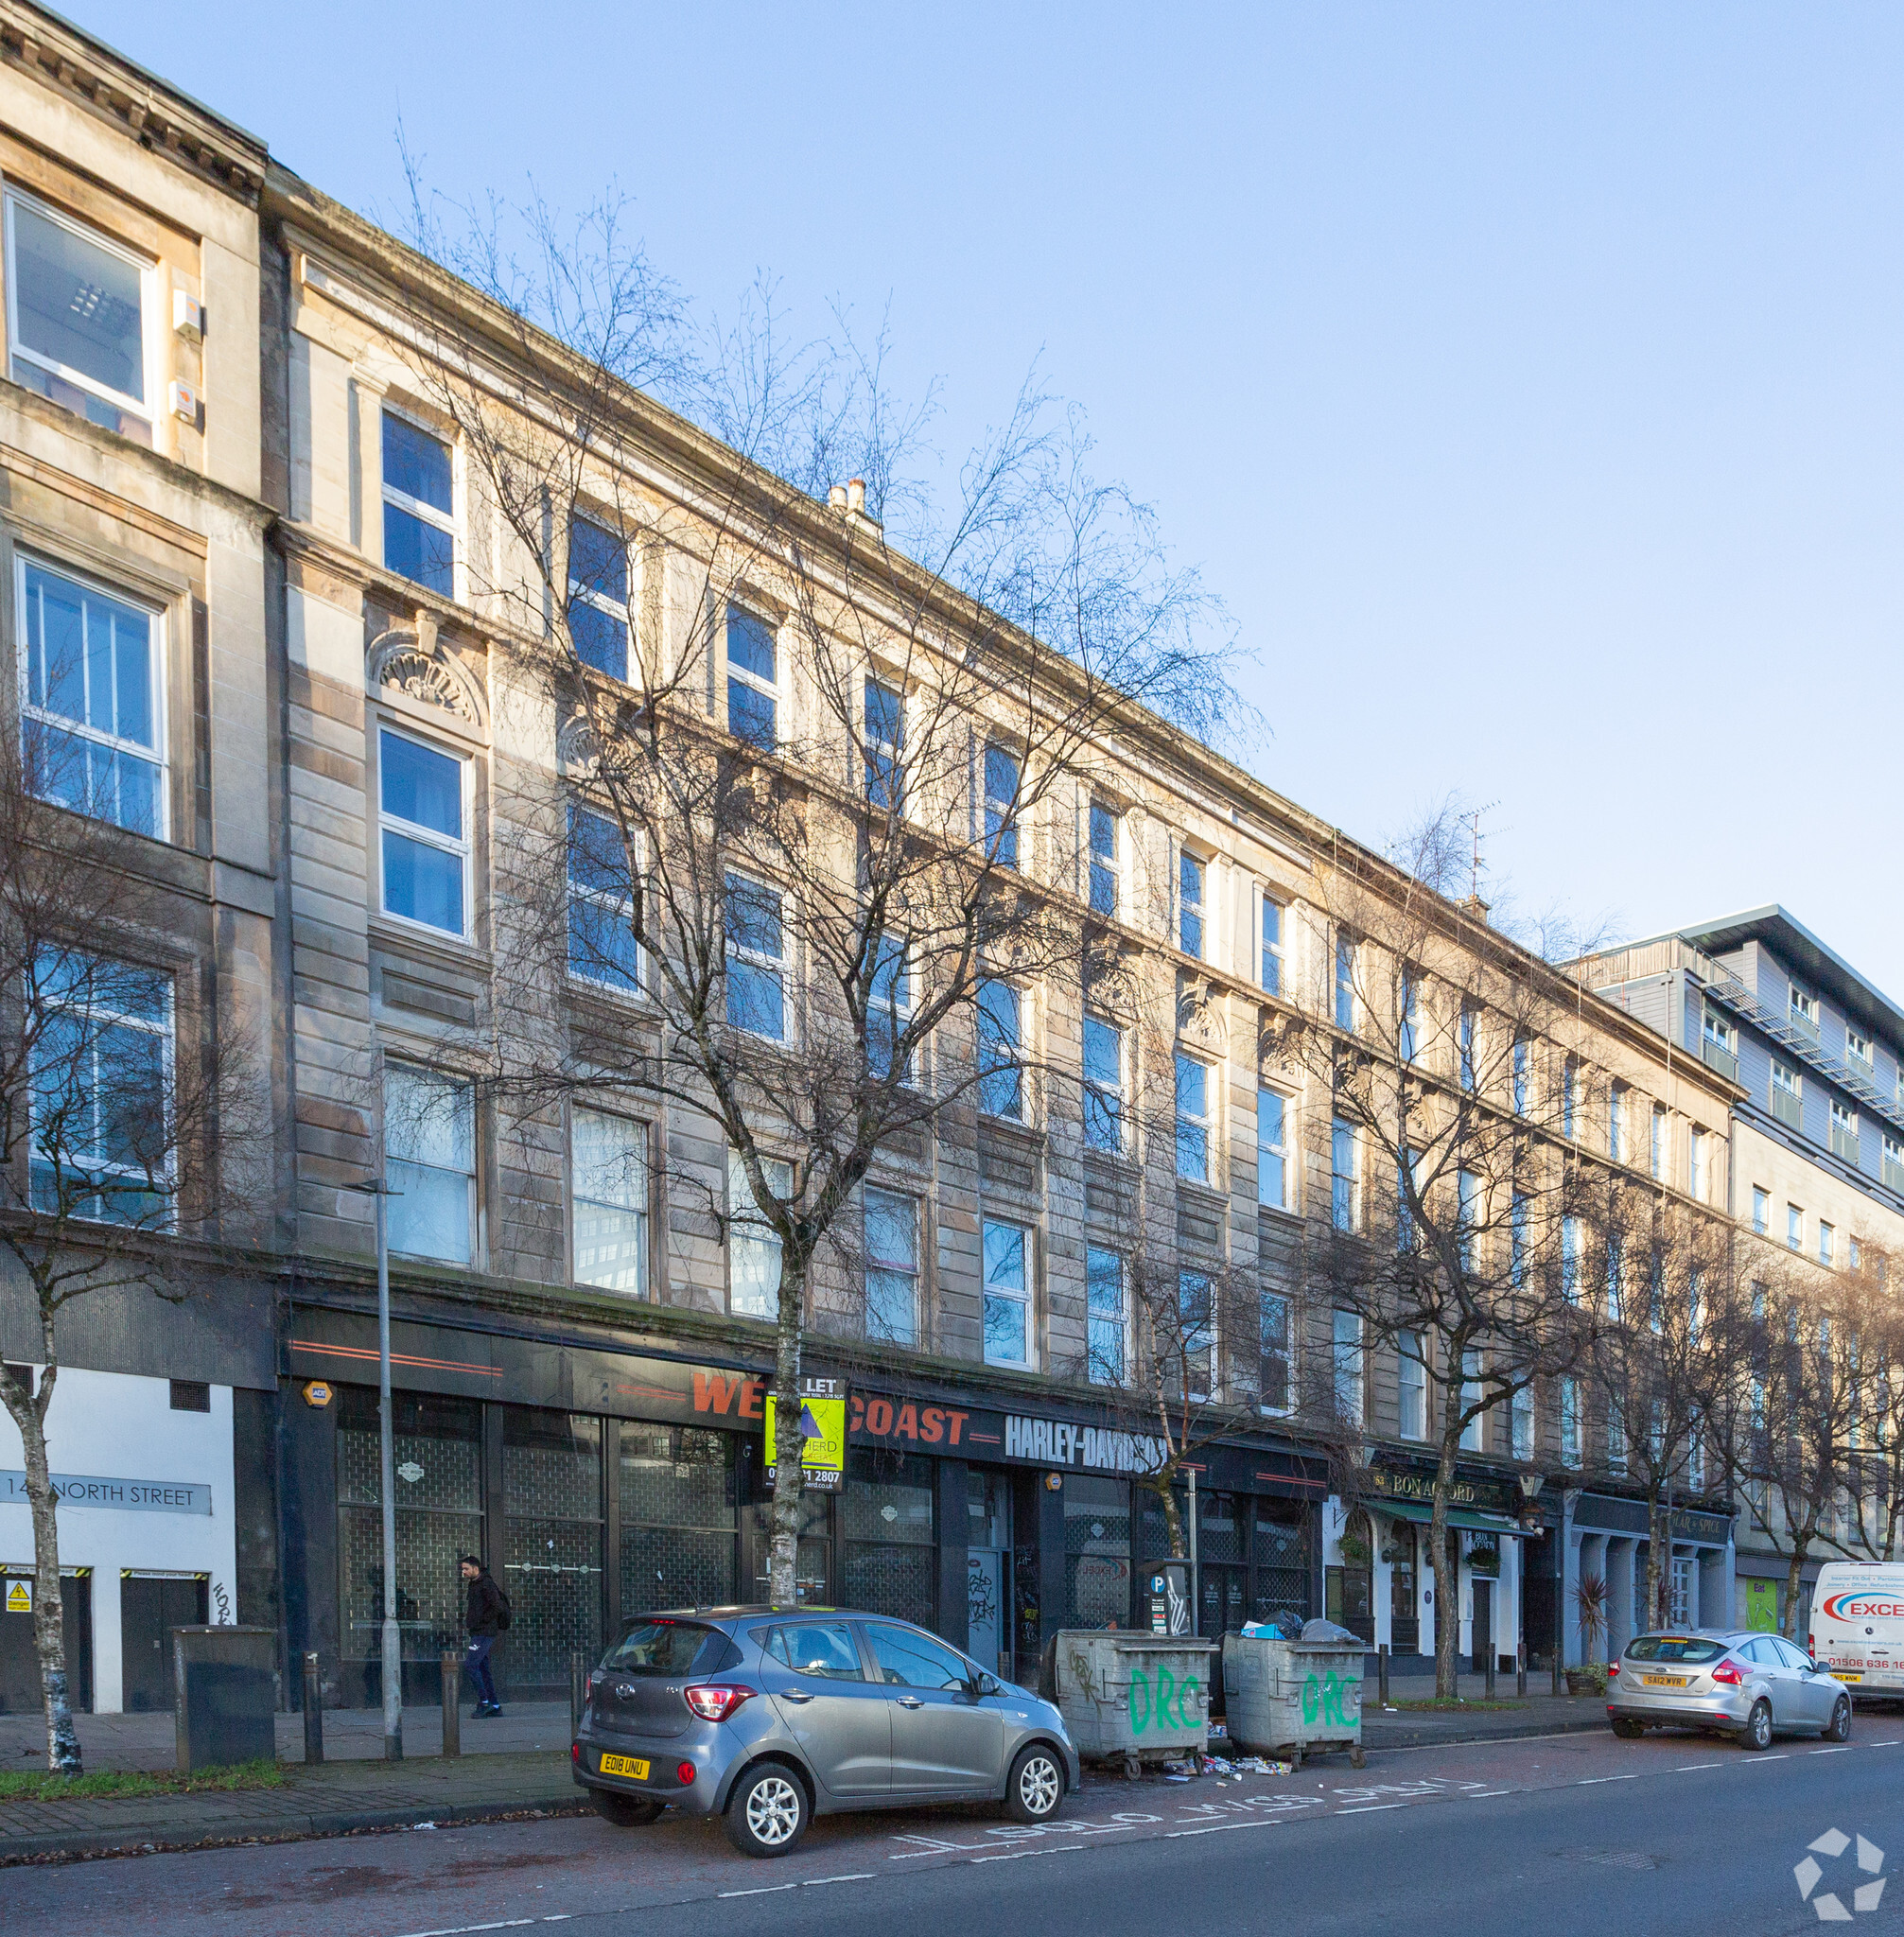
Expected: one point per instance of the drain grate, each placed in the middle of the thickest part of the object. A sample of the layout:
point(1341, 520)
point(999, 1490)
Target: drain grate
point(1614, 1859)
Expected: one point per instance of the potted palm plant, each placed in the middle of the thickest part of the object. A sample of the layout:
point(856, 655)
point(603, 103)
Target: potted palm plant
point(1592, 1603)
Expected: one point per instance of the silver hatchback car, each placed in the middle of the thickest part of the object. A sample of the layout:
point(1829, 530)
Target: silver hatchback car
point(1736, 1681)
point(772, 1716)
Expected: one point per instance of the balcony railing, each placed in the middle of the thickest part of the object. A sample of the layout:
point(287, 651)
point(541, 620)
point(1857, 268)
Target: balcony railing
point(1845, 1144)
point(1893, 1175)
point(1721, 1059)
point(1803, 1024)
point(1787, 1109)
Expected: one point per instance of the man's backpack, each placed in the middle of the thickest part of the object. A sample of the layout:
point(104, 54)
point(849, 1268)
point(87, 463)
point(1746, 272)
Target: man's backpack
point(502, 1610)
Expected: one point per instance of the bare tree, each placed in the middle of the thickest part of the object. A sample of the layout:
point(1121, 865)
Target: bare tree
point(133, 1129)
point(818, 778)
point(1460, 1202)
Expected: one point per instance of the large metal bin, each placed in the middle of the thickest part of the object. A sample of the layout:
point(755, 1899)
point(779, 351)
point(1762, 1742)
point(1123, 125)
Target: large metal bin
point(1286, 1698)
point(1138, 1698)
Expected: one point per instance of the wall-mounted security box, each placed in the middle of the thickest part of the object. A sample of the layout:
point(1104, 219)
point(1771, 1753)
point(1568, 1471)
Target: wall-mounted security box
point(185, 403)
point(188, 316)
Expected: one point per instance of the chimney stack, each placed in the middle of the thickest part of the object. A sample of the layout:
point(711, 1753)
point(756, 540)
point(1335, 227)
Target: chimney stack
point(856, 496)
point(837, 497)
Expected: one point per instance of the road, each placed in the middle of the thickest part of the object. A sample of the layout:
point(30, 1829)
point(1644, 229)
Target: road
point(1564, 1835)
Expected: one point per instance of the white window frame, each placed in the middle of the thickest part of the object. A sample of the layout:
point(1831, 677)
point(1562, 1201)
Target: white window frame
point(746, 1227)
point(1099, 1369)
point(1411, 1384)
point(1348, 1366)
point(145, 411)
point(1571, 1456)
point(449, 521)
point(1520, 1423)
point(1794, 1228)
point(1278, 1152)
point(1762, 1210)
point(1615, 1121)
point(892, 1268)
point(1187, 909)
point(774, 689)
point(1858, 1045)
point(1802, 1002)
point(1843, 1118)
point(1008, 830)
point(1112, 866)
point(901, 1011)
point(1285, 1352)
point(1827, 1243)
point(639, 1209)
point(1022, 1113)
point(1273, 970)
point(891, 752)
point(1343, 989)
point(464, 1092)
point(774, 966)
point(600, 602)
point(1111, 1094)
point(1475, 1433)
point(1660, 1153)
point(621, 905)
point(1021, 1296)
point(464, 849)
point(1342, 1134)
point(1202, 1125)
point(85, 730)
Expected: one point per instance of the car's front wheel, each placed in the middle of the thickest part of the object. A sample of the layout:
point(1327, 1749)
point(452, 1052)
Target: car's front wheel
point(1838, 1728)
point(625, 1812)
point(1758, 1726)
point(767, 1813)
point(1036, 1788)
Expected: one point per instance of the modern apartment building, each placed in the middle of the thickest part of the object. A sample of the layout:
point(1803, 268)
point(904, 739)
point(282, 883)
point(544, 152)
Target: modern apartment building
point(1817, 1147)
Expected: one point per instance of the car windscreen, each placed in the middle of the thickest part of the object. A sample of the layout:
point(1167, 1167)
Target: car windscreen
point(662, 1647)
point(1688, 1648)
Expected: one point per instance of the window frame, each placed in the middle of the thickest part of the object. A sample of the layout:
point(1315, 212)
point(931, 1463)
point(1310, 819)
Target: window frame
point(159, 755)
point(735, 950)
point(1000, 815)
point(1021, 1296)
point(614, 902)
point(642, 1212)
point(1345, 1186)
point(1188, 911)
point(884, 759)
point(464, 849)
point(1277, 1152)
point(1109, 1099)
point(1858, 1047)
point(1098, 1368)
point(432, 1075)
point(1109, 866)
point(623, 614)
point(1275, 1345)
point(747, 1225)
point(911, 1271)
point(1269, 946)
point(772, 692)
point(387, 494)
point(150, 336)
point(989, 1071)
point(1343, 1008)
point(1198, 1127)
point(1348, 1365)
point(1413, 1384)
point(899, 1012)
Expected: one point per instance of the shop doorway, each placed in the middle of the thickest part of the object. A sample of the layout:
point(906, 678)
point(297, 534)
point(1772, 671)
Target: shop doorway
point(150, 1606)
point(1483, 1623)
point(813, 1564)
point(988, 1570)
point(19, 1653)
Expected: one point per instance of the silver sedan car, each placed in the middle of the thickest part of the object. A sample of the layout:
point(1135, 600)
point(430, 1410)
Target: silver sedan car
point(772, 1716)
point(1734, 1680)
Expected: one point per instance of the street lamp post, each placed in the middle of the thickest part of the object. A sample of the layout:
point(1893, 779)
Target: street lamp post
point(392, 1636)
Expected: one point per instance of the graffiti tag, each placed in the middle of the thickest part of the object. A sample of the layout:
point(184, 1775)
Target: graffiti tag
point(1328, 1696)
point(1149, 1706)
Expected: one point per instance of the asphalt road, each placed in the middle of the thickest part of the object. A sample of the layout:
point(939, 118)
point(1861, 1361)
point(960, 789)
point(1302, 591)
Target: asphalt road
point(1552, 1837)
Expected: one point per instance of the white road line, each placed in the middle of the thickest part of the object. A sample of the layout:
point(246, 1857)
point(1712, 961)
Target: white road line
point(1012, 1855)
point(1369, 1808)
point(766, 1889)
point(464, 1929)
point(1480, 1795)
point(1681, 1768)
point(1256, 1823)
point(1783, 1755)
point(857, 1876)
point(1844, 1750)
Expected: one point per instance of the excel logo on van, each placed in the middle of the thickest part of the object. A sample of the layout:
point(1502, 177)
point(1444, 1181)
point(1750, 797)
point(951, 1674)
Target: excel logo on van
point(1859, 1607)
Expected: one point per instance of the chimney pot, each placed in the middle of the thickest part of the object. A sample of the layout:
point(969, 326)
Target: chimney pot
point(855, 495)
point(837, 497)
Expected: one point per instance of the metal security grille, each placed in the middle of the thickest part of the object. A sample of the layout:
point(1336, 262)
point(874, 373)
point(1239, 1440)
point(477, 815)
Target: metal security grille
point(891, 1565)
point(679, 1519)
point(1096, 1552)
point(553, 1542)
point(1281, 1574)
point(895, 1581)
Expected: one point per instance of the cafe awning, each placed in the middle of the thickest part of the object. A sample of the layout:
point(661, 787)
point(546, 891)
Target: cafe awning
point(1468, 1517)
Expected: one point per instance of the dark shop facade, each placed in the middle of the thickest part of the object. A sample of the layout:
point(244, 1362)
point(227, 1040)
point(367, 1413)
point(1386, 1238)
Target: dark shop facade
point(597, 1482)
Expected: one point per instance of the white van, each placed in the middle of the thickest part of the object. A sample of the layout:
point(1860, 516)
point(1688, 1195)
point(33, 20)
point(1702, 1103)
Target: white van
point(1857, 1622)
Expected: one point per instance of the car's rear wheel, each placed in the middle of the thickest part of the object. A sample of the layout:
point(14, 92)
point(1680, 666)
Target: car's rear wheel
point(767, 1813)
point(1626, 1729)
point(1036, 1788)
point(1838, 1728)
point(625, 1812)
point(1758, 1726)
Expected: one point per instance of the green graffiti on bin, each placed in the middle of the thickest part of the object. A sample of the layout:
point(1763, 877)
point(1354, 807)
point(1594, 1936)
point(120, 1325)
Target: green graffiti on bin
point(1149, 1706)
point(1329, 1697)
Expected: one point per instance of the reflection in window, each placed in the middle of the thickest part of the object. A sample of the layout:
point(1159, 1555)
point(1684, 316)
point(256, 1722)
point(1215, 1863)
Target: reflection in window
point(1008, 1294)
point(426, 842)
point(430, 1158)
point(753, 680)
point(419, 505)
point(609, 1191)
point(753, 1245)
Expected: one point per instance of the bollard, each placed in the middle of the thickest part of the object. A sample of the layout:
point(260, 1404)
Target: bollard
point(1557, 1669)
point(313, 1700)
point(452, 1710)
point(1490, 1671)
point(578, 1690)
point(1521, 1670)
point(1382, 1672)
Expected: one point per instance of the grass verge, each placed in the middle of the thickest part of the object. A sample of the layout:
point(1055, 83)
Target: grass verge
point(37, 1786)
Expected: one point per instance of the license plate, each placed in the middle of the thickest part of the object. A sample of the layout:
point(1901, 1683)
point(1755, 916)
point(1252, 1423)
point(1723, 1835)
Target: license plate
point(625, 1765)
point(1663, 1681)
point(1845, 1674)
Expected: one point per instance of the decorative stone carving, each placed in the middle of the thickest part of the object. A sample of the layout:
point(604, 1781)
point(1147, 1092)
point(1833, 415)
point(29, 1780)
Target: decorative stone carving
point(412, 661)
point(576, 752)
point(1200, 1021)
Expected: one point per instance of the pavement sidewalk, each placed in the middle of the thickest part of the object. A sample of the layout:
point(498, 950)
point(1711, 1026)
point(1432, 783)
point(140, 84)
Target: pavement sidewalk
point(516, 1767)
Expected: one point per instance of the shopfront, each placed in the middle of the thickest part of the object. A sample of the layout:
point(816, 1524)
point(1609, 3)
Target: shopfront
point(1608, 1539)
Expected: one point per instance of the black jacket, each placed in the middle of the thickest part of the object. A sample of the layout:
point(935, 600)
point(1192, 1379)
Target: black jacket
point(485, 1606)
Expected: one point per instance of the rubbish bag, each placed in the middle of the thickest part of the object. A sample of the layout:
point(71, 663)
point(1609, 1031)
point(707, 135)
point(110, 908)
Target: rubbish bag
point(1319, 1630)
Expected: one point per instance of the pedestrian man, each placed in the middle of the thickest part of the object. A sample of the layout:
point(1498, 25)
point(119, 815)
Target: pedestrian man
point(487, 1617)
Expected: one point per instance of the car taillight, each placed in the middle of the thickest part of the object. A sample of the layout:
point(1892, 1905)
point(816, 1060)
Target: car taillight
point(1613, 1671)
point(686, 1772)
point(714, 1701)
point(575, 1754)
point(1727, 1672)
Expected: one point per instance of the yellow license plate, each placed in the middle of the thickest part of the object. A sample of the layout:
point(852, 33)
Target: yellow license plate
point(1846, 1675)
point(625, 1765)
point(1664, 1680)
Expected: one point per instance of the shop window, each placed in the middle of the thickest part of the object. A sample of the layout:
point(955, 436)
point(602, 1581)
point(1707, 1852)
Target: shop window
point(813, 1556)
point(678, 1517)
point(437, 1449)
point(609, 1185)
point(891, 1549)
point(1096, 1552)
point(93, 702)
point(552, 1551)
point(77, 309)
point(1280, 1566)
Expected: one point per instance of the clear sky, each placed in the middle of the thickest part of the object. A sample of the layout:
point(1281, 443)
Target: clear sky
point(1526, 377)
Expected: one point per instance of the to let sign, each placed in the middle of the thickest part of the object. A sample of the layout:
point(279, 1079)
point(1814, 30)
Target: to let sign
point(125, 1495)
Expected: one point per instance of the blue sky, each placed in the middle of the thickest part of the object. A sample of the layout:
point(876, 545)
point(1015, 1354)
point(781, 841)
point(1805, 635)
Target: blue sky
point(1525, 379)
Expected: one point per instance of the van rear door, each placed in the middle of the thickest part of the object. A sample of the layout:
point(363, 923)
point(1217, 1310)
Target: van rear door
point(1857, 1622)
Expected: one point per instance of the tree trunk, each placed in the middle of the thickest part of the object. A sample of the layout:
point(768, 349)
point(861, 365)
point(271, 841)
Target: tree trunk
point(1794, 1579)
point(783, 1546)
point(1658, 1541)
point(1447, 1575)
point(49, 1627)
point(1173, 1513)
